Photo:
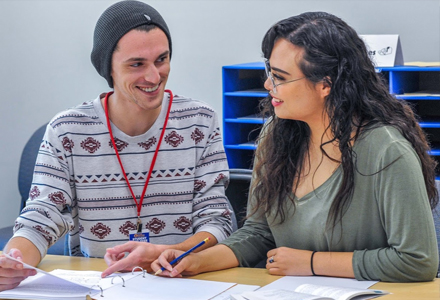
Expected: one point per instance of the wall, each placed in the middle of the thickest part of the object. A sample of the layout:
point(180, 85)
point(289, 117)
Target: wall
point(45, 54)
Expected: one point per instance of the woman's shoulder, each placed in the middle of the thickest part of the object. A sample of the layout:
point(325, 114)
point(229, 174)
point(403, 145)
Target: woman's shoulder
point(380, 139)
point(381, 147)
point(382, 133)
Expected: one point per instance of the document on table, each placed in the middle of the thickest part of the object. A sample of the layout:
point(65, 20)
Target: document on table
point(236, 289)
point(312, 288)
point(165, 288)
point(311, 292)
point(292, 282)
point(73, 285)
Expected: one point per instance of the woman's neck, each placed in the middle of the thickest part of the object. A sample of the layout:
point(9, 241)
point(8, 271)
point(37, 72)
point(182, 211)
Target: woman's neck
point(320, 131)
point(320, 135)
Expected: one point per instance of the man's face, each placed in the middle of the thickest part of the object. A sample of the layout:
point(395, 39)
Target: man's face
point(140, 68)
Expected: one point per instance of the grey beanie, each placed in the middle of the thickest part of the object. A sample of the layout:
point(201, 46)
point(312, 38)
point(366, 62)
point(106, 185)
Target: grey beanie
point(114, 23)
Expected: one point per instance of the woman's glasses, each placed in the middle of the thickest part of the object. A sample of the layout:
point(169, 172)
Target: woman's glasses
point(272, 79)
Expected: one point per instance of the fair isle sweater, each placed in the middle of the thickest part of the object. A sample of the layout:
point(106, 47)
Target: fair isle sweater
point(78, 187)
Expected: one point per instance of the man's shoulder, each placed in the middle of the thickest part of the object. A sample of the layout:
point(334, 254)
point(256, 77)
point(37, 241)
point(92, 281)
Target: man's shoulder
point(183, 101)
point(84, 113)
point(189, 107)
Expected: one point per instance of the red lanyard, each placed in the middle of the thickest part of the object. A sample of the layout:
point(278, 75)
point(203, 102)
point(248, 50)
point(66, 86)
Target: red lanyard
point(138, 204)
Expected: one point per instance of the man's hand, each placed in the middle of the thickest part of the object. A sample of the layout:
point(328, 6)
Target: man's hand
point(12, 272)
point(140, 254)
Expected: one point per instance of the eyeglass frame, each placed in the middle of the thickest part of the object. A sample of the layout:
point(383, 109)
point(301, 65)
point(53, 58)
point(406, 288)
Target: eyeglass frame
point(270, 76)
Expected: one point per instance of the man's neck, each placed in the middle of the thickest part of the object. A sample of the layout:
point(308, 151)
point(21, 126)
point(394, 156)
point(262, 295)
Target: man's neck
point(129, 118)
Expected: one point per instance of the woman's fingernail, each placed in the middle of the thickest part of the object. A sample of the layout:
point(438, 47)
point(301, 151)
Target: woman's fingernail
point(173, 273)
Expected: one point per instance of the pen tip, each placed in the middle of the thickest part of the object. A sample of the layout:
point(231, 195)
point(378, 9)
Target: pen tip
point(158, 272)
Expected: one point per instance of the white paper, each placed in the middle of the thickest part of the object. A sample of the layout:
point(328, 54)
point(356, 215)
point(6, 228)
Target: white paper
point(164, 288)
point(73, 285)
point(236, 290)
point(41, 286)
point(92, 278)
point(338, 293)
point(25, 265)
point(82, 278)
point(290, 283)
point(280, 295)
point(310, 292)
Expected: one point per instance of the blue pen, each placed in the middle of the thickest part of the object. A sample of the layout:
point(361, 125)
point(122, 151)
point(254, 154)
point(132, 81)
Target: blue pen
point(183, 255)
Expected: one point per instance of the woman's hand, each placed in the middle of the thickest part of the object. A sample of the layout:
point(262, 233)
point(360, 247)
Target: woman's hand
point(186, 266)
point(289, 261)
point(139, 254)
point(12, 272)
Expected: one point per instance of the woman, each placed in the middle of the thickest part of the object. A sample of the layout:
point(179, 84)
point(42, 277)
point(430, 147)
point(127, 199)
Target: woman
point(343, 185)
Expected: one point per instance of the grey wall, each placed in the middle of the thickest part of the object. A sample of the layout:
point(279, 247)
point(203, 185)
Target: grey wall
point(45, 46)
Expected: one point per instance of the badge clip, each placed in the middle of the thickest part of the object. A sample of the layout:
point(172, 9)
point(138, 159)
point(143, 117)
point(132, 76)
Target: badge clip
point(139, 225)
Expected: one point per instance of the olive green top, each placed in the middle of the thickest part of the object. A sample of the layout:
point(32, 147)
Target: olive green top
point(388, 225)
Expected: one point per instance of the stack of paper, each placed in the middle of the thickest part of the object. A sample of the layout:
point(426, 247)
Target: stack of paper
point(312, 288)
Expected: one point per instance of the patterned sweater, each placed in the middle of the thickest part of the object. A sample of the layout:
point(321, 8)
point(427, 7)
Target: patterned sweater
point(78, 187)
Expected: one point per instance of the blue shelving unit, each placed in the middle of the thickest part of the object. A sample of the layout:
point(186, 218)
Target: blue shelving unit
point(421, 87)
point(242, 92)
point(243, 89)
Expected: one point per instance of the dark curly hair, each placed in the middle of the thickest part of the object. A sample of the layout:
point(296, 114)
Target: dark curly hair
point(358, 101)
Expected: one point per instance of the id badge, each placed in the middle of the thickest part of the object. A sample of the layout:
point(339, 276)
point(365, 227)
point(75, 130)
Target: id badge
point(143, 236)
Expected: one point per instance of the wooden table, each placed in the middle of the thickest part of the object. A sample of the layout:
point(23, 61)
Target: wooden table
point(402, 291)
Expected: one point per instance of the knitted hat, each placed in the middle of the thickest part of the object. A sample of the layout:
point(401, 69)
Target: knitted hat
point(114, 23)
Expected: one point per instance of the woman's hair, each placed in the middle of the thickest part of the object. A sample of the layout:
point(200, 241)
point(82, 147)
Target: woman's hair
point(358, 100)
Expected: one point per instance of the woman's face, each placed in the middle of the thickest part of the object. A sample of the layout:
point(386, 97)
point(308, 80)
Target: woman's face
point(299, 100)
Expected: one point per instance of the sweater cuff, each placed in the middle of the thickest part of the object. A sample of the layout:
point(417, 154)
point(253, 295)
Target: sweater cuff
point(220, 235)
point(35, 238)
point(359, 269)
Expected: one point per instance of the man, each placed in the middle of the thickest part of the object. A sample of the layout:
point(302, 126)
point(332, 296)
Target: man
point(99, 159)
